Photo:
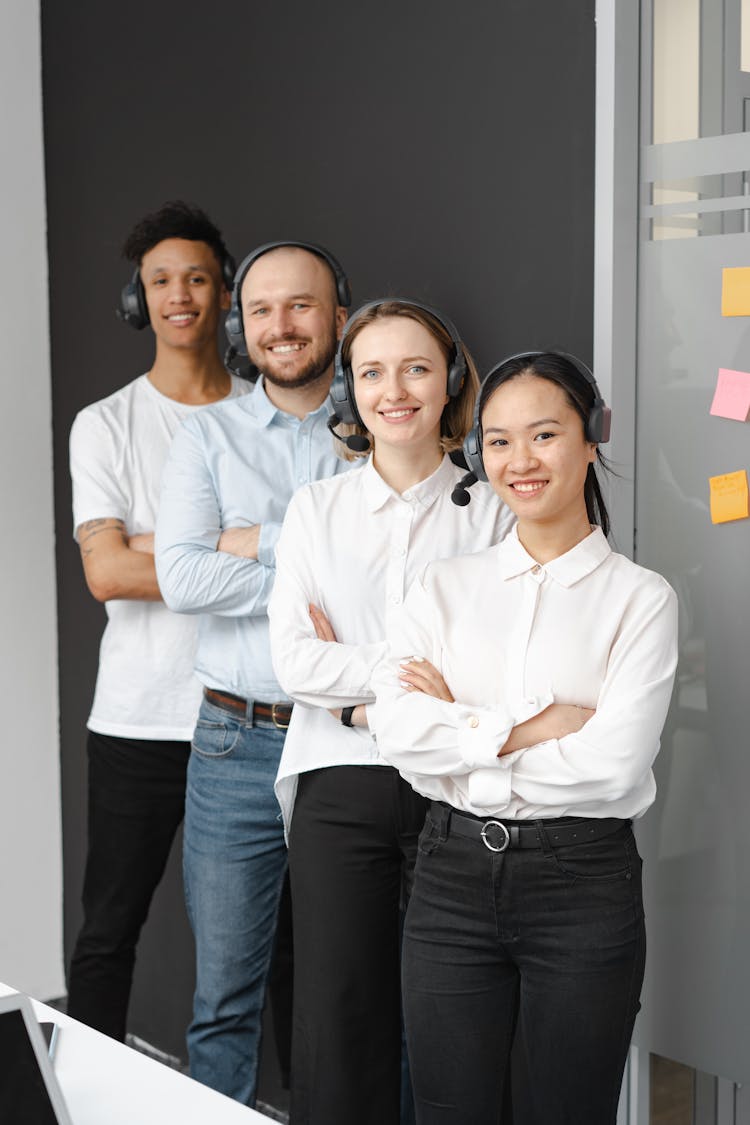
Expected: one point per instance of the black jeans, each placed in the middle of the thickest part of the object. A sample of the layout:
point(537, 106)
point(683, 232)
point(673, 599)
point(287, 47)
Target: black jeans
point(545, 944)
point(352, 848)
point(136, 801)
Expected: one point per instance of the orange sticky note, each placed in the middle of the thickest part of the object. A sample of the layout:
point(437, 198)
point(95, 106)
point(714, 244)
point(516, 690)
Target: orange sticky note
point(729, 497)
point(735, 292)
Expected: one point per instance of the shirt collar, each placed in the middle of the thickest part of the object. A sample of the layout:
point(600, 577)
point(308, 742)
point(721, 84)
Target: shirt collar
point(266, 412)
point(378, 493)
point(567, 569)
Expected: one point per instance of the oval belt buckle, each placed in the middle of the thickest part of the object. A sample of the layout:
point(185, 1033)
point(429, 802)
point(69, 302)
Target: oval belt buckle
point(498, 824)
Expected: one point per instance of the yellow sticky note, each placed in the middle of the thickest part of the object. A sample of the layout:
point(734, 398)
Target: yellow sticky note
point(735, 292)
point(729, 497)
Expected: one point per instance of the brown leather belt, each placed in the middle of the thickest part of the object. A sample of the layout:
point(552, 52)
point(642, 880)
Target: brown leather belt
point(277, 713)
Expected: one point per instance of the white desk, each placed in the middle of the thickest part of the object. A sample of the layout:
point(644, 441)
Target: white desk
point(106, 1083)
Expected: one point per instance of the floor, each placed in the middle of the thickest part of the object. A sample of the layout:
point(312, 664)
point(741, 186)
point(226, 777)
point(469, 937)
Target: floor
point(671, 1093)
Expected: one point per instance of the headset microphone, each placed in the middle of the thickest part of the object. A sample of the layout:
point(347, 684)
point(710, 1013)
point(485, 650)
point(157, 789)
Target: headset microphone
point(356, 442)
point(460, 494)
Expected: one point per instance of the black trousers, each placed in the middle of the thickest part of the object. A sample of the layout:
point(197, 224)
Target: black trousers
point(545, 944)
point(136, 801)
point(351, 855)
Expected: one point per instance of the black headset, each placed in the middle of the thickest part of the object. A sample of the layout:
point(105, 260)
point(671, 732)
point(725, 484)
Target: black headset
point(133, 309)
point(234, 326)
point(596, 428)
point(342, 401)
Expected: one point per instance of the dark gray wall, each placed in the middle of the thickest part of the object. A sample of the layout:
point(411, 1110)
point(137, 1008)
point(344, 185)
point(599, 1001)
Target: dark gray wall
point(442, 150)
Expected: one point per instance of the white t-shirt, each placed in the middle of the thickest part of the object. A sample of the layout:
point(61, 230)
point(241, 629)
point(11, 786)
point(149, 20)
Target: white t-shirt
point(145, 686)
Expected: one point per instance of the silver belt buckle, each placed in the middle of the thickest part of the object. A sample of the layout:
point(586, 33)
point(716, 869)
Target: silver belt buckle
point(498, 824)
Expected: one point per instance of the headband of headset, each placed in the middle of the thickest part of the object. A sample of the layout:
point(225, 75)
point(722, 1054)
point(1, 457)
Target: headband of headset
point(234, 326)
point(596, 428)
point(342, 398)
point(133, 309)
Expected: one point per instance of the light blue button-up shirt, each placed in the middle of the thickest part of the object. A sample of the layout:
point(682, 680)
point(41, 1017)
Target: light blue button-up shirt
point(234, 465)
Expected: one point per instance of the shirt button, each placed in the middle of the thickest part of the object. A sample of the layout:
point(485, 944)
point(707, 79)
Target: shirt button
point(473, 722)
point(535, 569)
point(395, 599)
point(401, 553)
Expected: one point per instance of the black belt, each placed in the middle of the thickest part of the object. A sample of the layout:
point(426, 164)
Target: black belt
point(277, 713)
point(499, 835)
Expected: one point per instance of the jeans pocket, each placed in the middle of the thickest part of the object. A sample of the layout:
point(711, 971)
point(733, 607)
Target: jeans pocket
point(214, 740)
point(609, 859)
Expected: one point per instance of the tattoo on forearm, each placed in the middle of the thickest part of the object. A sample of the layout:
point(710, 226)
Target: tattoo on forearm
point(90, 528)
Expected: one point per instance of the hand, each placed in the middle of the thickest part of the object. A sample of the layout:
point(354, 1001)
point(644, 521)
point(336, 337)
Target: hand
point(417, 674)
point(359, 714)
point(323, 628)
point(143, 543)
point(240, 541)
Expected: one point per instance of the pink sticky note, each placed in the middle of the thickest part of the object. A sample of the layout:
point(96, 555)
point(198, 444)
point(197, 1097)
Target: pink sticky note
point(732, 397)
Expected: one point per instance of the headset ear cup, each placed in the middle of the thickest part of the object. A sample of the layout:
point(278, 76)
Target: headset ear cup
point(343, 290)
point(228, 270)
point(234, 330)
point(456, 376)
point(603, 428)
point(599, 424)
point(473, 453)
point(342, 393)
point(133, 309)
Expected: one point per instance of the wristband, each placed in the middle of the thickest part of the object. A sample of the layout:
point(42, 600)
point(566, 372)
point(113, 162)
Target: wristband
point(346, 716)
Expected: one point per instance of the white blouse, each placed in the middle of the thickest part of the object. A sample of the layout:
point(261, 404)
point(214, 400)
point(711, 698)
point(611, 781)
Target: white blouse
point(511, 637)
point(352, 546)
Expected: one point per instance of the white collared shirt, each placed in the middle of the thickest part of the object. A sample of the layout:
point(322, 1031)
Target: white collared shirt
point(510, 637)
point(352, 545)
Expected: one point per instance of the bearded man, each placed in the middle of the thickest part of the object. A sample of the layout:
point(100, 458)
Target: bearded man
point(230, 475)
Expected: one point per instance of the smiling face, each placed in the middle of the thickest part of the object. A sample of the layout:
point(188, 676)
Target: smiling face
point(185, 292)
point(290, 317)
point(400, 375)
point(535, 453)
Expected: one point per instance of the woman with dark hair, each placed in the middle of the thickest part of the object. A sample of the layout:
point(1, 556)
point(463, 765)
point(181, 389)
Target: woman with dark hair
point(350, 546)
point(525, 696)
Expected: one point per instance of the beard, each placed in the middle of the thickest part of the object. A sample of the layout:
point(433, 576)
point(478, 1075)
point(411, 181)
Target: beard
point(319, 359)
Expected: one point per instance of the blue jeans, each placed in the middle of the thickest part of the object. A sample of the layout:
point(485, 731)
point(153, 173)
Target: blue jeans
point(546, 946)
point(234, 864)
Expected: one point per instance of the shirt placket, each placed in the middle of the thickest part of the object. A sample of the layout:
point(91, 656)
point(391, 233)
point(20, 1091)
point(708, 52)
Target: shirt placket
point(302, 457)
point(398, 552)
point(520, 692)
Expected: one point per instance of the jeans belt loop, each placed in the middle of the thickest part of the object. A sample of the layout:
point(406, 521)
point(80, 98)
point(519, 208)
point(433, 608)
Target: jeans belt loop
point(543, 838)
